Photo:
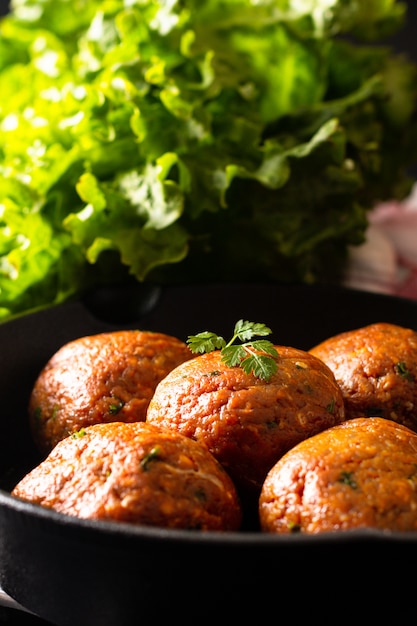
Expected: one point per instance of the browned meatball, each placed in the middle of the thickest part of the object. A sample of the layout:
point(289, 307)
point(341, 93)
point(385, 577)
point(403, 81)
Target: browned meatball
point(359, 474)
point(376, 369)
point(137, 473)
point(100, 378)
point(246, 422)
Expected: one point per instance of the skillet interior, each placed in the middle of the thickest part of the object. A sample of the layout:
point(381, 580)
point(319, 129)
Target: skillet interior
point(73, 571)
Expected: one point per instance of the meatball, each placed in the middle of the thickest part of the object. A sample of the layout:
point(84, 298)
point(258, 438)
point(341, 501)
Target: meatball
point(136, 473)
point(376, 369)
point(359, 474)
point(100, 378)
point(246, 422)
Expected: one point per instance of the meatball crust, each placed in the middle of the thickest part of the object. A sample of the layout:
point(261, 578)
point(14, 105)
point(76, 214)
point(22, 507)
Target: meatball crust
point(376, 369)
point(359, 474)
point(246, 422)
point(136, 473)
point(100, 378)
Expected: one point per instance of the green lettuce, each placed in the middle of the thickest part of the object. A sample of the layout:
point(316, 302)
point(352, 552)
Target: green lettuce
point(176, 141)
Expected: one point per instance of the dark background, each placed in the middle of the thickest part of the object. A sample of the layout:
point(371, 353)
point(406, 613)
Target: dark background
point(405, 41)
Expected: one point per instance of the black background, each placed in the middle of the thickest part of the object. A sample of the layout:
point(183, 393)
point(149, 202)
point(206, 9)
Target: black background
point(406, 39)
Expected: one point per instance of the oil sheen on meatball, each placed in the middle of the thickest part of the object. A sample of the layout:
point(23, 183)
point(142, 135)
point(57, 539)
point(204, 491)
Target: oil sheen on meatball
point(376, 369)
point(359, 474)
point(246, 422)
point(99, 378)
point(134, 473)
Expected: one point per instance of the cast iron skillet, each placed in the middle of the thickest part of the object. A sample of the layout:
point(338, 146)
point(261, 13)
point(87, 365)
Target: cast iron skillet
point(75, 572)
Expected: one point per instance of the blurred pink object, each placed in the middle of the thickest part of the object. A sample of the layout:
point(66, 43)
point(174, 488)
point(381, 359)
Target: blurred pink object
point(387, 261)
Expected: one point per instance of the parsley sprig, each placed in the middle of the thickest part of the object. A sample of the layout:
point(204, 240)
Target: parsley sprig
point(256, 357)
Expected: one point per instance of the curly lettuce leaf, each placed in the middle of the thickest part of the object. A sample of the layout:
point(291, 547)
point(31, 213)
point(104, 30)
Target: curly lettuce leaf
point(191, 141)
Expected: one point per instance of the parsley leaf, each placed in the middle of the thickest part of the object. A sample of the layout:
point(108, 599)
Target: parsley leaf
point(246, 330)
point(404, 371)
point(255, 357)
point(205, 342)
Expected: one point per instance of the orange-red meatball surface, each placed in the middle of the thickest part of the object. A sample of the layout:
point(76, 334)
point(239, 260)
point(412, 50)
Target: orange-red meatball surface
point(137, 473)
point(376, 369)
point(359, 474)
point(246, 422)
point(100, 378)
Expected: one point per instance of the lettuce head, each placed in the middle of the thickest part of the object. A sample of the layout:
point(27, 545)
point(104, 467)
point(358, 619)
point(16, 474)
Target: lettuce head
point(181, 141)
